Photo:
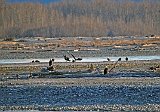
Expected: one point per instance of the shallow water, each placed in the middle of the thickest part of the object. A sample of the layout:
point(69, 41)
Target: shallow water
point(49, 97)
point(81, 95)
point(85, 59)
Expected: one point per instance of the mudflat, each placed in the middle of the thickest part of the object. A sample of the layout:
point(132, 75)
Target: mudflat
point(80, 47)
point(122, 66)
point(39, 47)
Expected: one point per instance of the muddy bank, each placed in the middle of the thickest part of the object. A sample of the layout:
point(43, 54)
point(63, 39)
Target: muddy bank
point(94, 52)
point(80, 47)
point(123, 66)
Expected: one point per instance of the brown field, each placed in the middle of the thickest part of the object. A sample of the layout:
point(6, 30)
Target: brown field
point(46, 43)
point(7, 43)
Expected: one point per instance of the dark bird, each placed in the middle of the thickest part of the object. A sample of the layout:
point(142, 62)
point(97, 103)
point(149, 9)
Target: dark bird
point(37, 61)
point(108, 59)
point(152, 68)
point(66, 58)
point(126, 58)
point(119, 59)
point(50, 62)
point(105, 70)
point(76, 58)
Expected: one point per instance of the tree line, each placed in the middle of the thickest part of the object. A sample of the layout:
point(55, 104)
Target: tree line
point(79, 18)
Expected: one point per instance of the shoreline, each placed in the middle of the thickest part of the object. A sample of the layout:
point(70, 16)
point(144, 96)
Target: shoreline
point(139, 66)
point(98, 107)
point(121, 67)
point(102, 52)
point(92, 81)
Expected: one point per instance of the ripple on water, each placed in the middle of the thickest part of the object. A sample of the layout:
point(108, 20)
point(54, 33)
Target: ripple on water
point(79, 95)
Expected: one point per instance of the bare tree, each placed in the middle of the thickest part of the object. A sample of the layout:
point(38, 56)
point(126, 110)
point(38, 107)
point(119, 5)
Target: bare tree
point(80, 18)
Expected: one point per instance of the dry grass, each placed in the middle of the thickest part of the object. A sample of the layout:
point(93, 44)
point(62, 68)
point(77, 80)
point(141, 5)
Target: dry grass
point(74, 42)
point(7, 43)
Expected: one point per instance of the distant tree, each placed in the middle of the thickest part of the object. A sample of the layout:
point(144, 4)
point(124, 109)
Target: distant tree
point(13, 32)
point(110, 34)
point(80, 18)
point(2, 3)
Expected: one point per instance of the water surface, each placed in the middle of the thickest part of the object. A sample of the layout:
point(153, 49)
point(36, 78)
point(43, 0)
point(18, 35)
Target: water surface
point(85, 59)
point(79, 95)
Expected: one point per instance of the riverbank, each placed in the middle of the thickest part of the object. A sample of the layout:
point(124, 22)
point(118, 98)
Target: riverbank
point(92, 81)
point(125, 73)
point(122, 66)
point(33, 48)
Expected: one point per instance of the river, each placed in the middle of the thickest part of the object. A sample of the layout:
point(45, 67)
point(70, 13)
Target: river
point(84, 59)
point(56, 97)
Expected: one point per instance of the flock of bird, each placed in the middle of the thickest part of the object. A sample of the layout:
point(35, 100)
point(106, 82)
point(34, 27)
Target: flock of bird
point(106, 70)
point(74, 59)
point(79, 59)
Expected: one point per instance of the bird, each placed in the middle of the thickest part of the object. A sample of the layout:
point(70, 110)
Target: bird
point(152, 68)
point(37, 61)
point(126, 58)
point(119, 59)
point(76, 58)
point(108, 59)
point(50, 62)
point(106, 70)
point(52, 59)
point(66, 58)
